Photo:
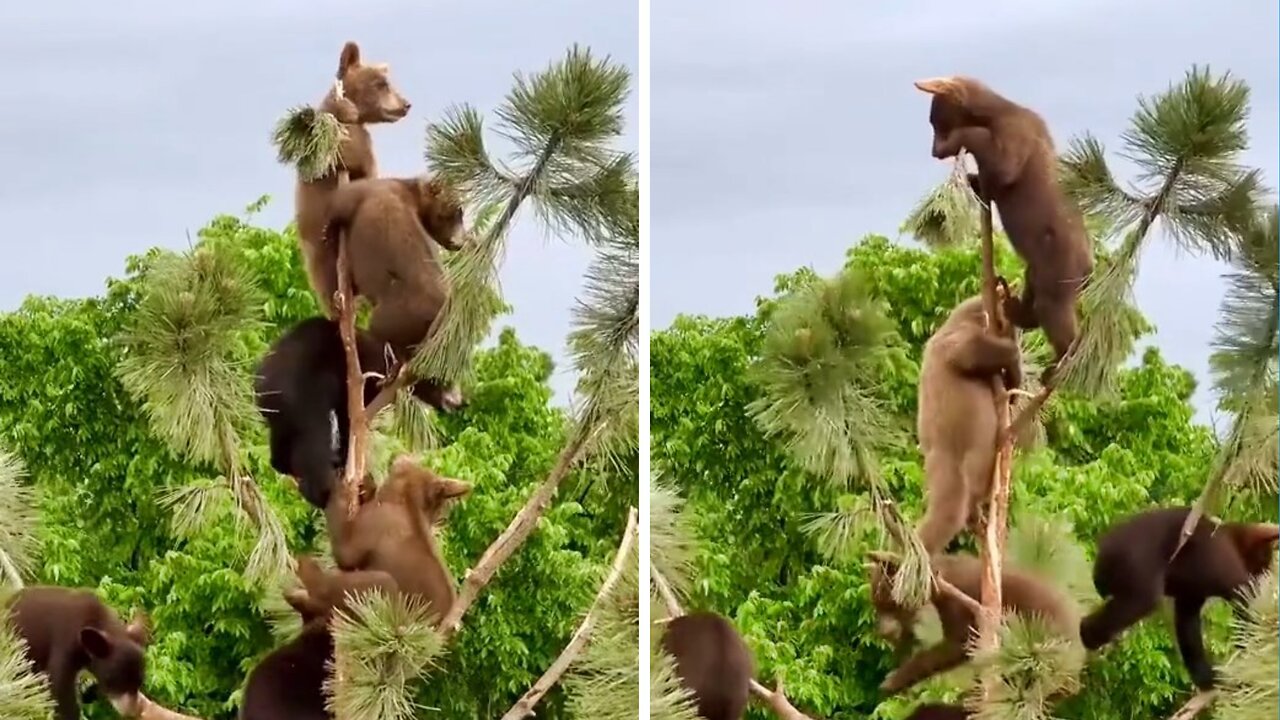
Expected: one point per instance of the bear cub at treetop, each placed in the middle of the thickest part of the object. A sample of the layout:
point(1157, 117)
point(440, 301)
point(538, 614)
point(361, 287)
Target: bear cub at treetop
point(1017, 170)
point(391, 227)
point(301, 389)
point(68, 630)
point(713, 662)
point(1134, 569)
point(367, 97)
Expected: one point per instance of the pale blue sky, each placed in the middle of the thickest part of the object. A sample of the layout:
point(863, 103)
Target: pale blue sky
point(783, 132)
point(132, 123)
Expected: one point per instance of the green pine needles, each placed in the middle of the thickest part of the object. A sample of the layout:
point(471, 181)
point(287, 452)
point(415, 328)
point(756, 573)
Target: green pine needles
point(310, 140)
point(18, 521)
point(950, 215)
point(26, 694)
point(383, 647)
point(1249, 689)
point(563, 123)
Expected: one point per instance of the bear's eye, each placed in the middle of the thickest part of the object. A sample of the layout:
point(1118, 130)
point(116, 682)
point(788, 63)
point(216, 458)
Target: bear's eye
point(381, 85)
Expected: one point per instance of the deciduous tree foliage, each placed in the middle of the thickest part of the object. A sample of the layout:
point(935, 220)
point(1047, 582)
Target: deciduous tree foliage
point(807, 616)
point(97, 470)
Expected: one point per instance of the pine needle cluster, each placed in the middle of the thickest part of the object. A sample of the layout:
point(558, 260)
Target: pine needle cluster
point(562, 123)
point(18, 521)
point(1186, 143)
point(949, 216)
point(383, 646)
point(673, 544)
point(26, 694)
point(1249, 688)
point(310, 140)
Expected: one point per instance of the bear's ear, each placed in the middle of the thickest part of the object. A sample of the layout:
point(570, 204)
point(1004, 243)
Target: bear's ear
point(95, 642)
point(448, 488)
point(349, 58)
point(945, 86)
point(137, 629)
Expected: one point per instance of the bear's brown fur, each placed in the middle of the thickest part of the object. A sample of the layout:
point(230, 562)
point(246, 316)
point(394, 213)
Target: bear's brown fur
point(1136, 566)
point(289, 681)
point(956, 419)
point(1023, 593)
point(367, 97)
point(713, 663)
point(1017, 170)
point(68, 630)
point(390, 225)
point(395, 532)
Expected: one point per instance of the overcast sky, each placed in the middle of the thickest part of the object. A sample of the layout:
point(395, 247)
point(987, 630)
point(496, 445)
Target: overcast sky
point(132, 123)
point(783, 132)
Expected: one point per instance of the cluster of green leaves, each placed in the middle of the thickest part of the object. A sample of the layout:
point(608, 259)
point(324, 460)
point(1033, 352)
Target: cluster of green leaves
point(808, 616)
point(99, 470)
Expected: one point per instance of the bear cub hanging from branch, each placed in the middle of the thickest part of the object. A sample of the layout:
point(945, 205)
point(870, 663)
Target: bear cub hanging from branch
point(68, 630)
point(956, 419)
point(395, 532)
point(367, 97)
point(1136, 566)
point(289, 681)
point(1017, 170)
point(1024, 594)
point(391, 227)
point(301, 389)
point(713, 662)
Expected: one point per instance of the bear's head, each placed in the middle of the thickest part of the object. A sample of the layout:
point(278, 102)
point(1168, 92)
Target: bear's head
point(325, 592)
point(421, 488)
point(894, 622)
point(368, 89)
point(440, 211)
point(117, 660)
point(1256, 543)
point(948, 111)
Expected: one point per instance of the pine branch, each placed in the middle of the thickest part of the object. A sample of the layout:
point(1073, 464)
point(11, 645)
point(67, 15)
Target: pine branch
point(25, 692)
point(151, 710)
point(1248, 686)
point(1197, 704)
point(311, 140)
point(524, 706)
point(357, 420)
point(949, 215)
point(515, 533)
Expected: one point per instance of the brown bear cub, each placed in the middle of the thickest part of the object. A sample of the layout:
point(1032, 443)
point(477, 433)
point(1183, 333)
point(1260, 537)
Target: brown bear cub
point(367, 97)
point(289, 681)
point(956, 419)
point(1136, 566)
point(390, 225)
point(939, 711)
point(1017, 170)
point(301, 389)
point(68, 630)
point(395, 532)
point(1024, 594)
point(713, 662)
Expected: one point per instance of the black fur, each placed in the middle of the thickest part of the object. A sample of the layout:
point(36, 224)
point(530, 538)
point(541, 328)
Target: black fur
point(713, 662)
point(289, 681)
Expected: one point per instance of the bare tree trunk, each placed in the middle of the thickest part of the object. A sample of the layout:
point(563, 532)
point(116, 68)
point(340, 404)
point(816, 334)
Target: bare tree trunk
point(358, 426)
point(998, 504)
point(524, 706)
point(1194, 706)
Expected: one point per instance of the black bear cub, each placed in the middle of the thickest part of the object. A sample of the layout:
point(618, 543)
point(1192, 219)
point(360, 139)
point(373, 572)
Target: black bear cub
point(939, 711)
point(713, 662)
point(1136, 566)
point(68, 630)
point(301, 393)
point(289, 681)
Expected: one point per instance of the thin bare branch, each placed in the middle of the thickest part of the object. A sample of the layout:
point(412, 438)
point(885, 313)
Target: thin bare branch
point(358, 425)
point(1194, 706)
point(524, 706)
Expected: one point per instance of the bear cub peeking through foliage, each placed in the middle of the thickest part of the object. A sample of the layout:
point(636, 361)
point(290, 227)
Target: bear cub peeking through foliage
point(301, 390)
point(367, 97)
point(956, 419)
point(713, 662)
point(1134, 569)
point(395, 532)
point(1017, 170)
point(289, 681)
point(68, 630)
point(1023, 593)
